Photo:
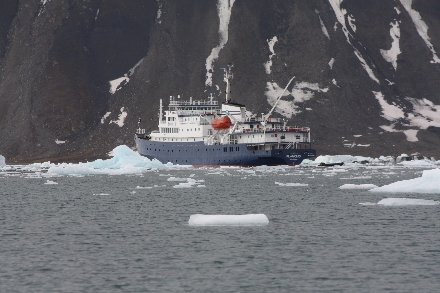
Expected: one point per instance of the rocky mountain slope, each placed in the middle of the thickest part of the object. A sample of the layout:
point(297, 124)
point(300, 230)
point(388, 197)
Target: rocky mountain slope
point(75, 75)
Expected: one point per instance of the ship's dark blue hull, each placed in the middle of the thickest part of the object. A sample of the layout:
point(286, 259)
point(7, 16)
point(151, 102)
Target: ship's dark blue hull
point(199, 154)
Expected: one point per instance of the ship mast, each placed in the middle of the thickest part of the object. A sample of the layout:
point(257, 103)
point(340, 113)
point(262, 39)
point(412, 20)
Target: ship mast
point(228, 76)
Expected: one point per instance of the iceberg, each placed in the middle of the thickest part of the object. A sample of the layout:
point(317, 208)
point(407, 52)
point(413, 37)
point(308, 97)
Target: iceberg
point(2, 161)
point(358, 186)
point(228, 220)
point(124, 161)
point(407, 201)
point(428, 183)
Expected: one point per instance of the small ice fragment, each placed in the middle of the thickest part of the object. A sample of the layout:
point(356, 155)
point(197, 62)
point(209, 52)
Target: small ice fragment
point(177, 179)
point(357, 186)
point(407, 201)
point(228, 220)
point(141, 187)
point(291, 184)
point(50, 182)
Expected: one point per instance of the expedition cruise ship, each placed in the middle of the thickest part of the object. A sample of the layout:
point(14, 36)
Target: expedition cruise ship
point(203, 133)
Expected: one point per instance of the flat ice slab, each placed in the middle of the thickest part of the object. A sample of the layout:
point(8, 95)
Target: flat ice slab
point(357, 186)
point(428, 183)
point(407, 202)
point(228, 220)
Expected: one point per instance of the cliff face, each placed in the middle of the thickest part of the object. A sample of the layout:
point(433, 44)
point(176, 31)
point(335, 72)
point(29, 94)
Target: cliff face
point(75, 76)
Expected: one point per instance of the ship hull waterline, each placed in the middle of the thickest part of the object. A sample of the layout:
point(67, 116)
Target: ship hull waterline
point(198, 154)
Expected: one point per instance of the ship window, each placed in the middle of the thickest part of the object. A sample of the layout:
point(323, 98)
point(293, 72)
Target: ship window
point(231, 149)
point(225, 149)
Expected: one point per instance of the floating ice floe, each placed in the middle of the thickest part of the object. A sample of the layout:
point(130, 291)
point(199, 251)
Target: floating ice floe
point(357, 186)
point(353, 161)
point(190, 182)
point(403, 202)
point(291, 184)
point(124, 161)
point(428, 183)
point(141, 187)
point(50, 182)
point(407, 201)
point(228, 220)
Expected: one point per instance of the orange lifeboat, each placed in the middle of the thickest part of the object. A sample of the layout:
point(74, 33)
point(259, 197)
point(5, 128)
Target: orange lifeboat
point(221, 123)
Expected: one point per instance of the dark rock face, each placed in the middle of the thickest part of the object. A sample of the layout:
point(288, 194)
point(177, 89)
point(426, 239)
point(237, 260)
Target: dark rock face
point(57, 59)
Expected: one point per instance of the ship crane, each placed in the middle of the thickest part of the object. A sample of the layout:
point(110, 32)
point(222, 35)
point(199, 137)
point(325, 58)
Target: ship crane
point(276, 103)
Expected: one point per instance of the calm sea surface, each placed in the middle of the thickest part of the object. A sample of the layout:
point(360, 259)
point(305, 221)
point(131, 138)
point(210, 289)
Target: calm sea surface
point(100, 233)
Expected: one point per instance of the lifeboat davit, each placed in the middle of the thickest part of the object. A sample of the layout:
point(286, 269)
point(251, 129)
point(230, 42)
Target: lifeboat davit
point(221, 123)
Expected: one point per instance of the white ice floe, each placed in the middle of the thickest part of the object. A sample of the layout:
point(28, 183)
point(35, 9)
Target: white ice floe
point(391, 54)
point(177, 179)
point(49, 182)
point(143, 187)
point(60, 141)
point(228, 220)
point(224, 8)
point(406, 202)
point(357, 186)
point(421, 27)
point(124, 161)
point(121, 118)
point(301, 92)
point(271, 44)
point(418, 163)
point(291, 184)
point(348, 160)
point(2, 161)
point(188, 184)
point(428, 183)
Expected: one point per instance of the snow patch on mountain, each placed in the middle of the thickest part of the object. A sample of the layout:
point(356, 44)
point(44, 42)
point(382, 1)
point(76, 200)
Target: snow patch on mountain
point(105, 117)
point(332, 61)
point(42, 3)
point(425, 113)
point(301, 92)
point(224, 8)
point(340, 16)
point(323, 28)
point(351, 21)
point(159, 12)
point(421, 27)
point(391, 54)
point(121, 118)
point(389, 112)
point(118, 83)
point(271, 44)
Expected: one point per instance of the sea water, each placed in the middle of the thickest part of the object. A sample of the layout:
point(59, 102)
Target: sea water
point(130, 233)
